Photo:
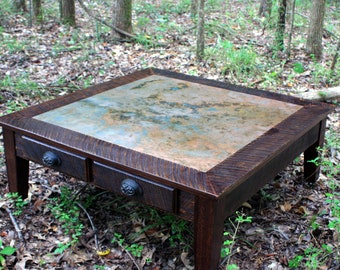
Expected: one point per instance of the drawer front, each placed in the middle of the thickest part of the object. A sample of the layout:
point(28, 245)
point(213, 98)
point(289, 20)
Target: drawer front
point(52, 157)
point(135, 187)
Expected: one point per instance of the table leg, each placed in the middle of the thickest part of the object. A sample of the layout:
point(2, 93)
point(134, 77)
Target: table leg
point(17, 168)
point(311, 171)
point(208, 230)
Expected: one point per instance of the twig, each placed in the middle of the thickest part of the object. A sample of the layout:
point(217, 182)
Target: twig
point(95, 230)
point(324, 29)
point(15, 224)
point(104, 22)
point(130, 256)
point(92, 224)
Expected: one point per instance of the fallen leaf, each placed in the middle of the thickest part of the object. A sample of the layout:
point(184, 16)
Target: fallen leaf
point(286, 207)
point(247, 205)
point(302, 210)
point(38, 204)
point(186, 261)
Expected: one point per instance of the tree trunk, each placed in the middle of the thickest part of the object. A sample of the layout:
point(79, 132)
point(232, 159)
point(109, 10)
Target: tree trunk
point(194, 5)
point(37, 12)
point(265, 8)
point(122, 17)
point(335, 58)
point(281, 25)
point(314, 38)
point(20, 5)
point(292, 16)
point(200, 31)
point(68, 12)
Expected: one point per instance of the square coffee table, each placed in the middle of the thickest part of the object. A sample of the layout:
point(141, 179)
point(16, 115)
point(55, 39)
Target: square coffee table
point(192, 147)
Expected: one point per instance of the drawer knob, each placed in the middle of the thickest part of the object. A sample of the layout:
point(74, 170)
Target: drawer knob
point(131, 188)
point(51, 159)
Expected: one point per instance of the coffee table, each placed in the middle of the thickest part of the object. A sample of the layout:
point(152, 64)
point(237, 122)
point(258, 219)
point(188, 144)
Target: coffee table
point(193, 147)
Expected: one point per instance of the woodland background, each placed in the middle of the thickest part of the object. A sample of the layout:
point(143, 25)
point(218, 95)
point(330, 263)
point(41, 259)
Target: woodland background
point(45, 53)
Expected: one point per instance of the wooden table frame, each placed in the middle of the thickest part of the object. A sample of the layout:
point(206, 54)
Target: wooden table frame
point(206, 198)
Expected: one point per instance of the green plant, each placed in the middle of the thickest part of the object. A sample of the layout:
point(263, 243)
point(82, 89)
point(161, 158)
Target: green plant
point(22, 85)
point(5, 251)
point(314, 256)
point(16, 202)
point(240, 63)
point(135, 249)
point(179, 228)
point(228, 244)
point(65, 209)
point(6, 8)
point(12, 45)
point(14, 105)
point(322, 74)
point(298, 67)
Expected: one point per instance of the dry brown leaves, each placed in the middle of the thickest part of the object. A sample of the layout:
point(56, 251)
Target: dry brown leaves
point(61, 60)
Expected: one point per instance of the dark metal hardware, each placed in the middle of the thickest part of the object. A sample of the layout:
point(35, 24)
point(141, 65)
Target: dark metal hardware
point(51, 159)
point(131, 188)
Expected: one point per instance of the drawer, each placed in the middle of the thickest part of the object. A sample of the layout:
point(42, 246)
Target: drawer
point(135, 187)
point(52, 157)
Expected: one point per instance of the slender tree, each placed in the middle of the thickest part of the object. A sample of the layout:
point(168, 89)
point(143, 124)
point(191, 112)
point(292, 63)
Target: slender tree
point(265, 8)
point(336, 55)
point(291, 27)
point(121, 17)
point(193, 10)
point(20, 5)
point(200, 31)
point(314, 38)
point(281, 25)
point(37, 11)
point(68, 12)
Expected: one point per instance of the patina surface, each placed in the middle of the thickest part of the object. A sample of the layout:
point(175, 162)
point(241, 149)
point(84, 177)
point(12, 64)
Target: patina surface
point(184, 122)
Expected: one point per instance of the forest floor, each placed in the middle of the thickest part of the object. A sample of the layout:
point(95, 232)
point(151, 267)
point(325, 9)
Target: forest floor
point(42, 62)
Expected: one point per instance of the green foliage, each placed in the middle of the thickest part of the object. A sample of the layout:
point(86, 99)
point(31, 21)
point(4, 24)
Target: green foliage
point(180, 233)
point(14, 105)
point(175, 7)
point(66, 211)
point(6, 8)
point(228, 245)
point(5, 251)
point(179, 228)
point(314, 256)
point(12, 44)
point(298, 67)
point(241, 63)
point(166, 6)
point(15, 202)
point(322, 74)
point(135, 249)
point(21, 86)
point(21, 83)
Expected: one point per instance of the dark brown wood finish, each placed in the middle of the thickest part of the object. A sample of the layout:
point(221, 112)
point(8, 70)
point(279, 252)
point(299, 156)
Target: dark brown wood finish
point(311, 171)
point(17, 167)
point(73, 165)
point(157, 195)
point(205, 198)
point(208, 226)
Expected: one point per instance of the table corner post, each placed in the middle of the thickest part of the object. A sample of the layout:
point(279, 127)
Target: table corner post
point(208, 230)
point(312, 170)
point(17, 168)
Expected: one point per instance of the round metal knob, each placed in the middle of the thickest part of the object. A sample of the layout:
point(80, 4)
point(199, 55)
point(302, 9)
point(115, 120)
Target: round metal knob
point(51, 159)
point(131, 188)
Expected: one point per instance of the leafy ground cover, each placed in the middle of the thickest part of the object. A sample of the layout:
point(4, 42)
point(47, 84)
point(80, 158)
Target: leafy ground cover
point(291, 226)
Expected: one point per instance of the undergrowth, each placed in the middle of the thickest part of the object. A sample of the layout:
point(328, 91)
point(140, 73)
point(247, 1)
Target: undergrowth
point(315, 256)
